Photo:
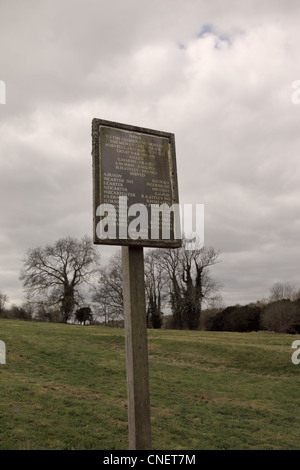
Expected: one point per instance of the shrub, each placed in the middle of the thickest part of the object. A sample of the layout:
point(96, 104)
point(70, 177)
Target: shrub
point(282, 316)
point(236, 318)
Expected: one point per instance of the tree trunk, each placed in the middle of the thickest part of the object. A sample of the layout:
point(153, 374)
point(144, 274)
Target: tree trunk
point(68, 302)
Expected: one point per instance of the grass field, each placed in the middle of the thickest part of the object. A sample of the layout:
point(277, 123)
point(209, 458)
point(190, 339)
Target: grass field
point(64, 387)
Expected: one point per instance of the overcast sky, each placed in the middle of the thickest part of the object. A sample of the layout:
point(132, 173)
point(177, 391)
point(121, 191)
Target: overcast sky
point(216, 74)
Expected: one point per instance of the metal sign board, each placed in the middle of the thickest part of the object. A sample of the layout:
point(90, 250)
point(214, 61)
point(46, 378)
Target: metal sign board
point(135, 188)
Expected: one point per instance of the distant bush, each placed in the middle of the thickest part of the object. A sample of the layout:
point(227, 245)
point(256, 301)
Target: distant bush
point(83, 315)
point(235, 318)
point(207, 316)
point(282, 316)
point(15, 312)
point(168, 322)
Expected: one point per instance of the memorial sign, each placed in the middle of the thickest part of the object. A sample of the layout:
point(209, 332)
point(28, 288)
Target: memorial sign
point(135, 186)
point(135, 204)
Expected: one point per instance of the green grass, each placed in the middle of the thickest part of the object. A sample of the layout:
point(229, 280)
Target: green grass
point(64, 387)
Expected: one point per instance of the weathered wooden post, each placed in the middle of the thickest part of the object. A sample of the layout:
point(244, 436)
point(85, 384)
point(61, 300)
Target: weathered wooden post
point(136, 348)
point(134, 172)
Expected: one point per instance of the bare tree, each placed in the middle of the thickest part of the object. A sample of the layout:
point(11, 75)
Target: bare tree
point(157, 288)
point(108, 294)
point(282, 291)
point(178, 279)
point(281, 316)
point(190, 283)
point(57, 271)
point(3, 300)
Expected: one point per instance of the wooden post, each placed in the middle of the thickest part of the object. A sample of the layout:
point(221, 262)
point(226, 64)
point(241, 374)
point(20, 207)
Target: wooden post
point(139, 425)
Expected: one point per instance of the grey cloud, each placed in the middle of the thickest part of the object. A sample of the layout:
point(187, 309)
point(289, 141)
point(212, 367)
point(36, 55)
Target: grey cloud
point(230, 108)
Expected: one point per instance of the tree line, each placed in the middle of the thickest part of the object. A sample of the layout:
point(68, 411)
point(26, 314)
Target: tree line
point(280, 312)
point(177, 283)
point(66, 282)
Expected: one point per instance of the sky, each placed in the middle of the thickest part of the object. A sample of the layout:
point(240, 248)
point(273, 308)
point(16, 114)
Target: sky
point(219, 75)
